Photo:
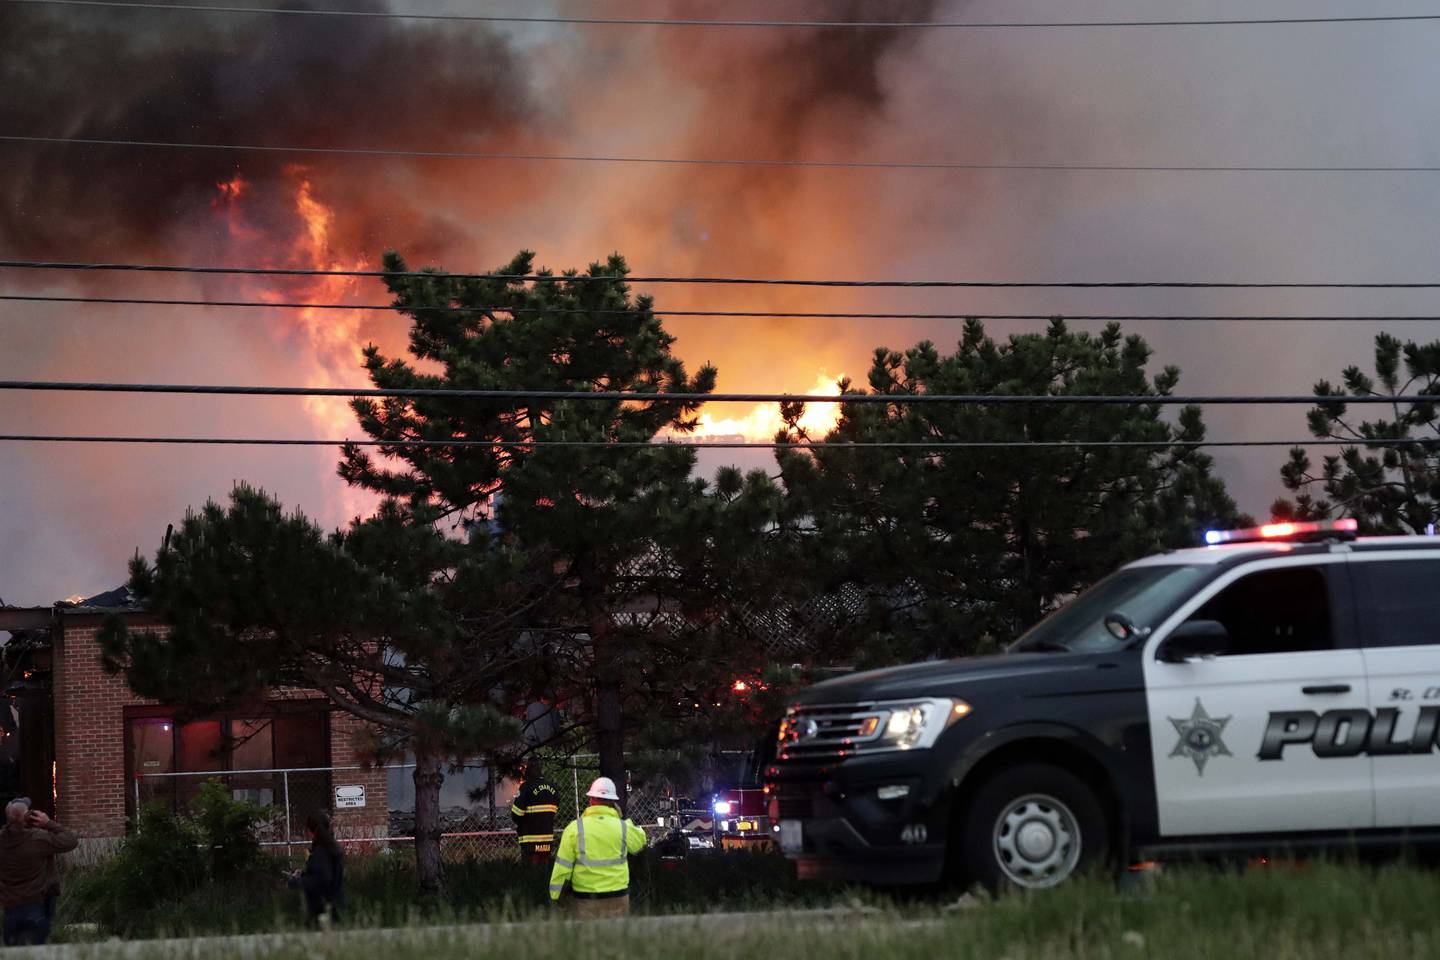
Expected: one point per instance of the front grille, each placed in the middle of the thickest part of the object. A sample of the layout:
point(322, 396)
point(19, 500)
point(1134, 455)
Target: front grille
point(795, 802)
point(829, 731)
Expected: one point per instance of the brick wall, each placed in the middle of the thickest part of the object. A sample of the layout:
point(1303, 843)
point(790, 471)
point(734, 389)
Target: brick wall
point(373, 820)
point(90, 744)
point(89, 733)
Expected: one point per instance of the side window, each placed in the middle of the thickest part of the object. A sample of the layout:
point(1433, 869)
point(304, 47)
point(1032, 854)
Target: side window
point(1273, 611)
point(1404, 601)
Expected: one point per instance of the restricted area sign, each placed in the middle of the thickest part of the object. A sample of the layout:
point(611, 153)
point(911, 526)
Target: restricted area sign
point(349, 797)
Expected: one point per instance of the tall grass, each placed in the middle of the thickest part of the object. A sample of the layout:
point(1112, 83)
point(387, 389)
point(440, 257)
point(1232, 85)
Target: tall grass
point(1317, 912)
point(382, 892)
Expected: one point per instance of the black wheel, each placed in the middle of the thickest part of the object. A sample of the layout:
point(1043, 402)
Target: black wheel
point(1031, 826)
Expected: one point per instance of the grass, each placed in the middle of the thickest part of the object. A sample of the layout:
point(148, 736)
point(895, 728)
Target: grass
point(381, 892)
point(1314, 912)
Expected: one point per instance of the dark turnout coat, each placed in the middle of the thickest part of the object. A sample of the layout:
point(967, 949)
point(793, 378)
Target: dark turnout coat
point(534, 814)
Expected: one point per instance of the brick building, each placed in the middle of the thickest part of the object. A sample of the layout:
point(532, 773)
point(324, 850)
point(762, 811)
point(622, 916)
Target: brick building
point(81, 744)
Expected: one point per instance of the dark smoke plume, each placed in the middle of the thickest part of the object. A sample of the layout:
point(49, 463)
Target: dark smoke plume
point(222, 79)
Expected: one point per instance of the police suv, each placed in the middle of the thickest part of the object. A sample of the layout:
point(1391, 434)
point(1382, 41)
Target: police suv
point(1278, 688)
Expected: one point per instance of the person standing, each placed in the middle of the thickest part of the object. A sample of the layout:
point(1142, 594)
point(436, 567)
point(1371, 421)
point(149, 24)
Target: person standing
point(323, 878)
point(594, 856)
point(29, 881)
point(534, 814)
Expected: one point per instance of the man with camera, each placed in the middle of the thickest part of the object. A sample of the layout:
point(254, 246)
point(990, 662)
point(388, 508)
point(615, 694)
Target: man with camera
point(29, 882)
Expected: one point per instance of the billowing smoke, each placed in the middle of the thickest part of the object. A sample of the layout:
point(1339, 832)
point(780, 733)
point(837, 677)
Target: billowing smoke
point(230, 80)
point(69, 516)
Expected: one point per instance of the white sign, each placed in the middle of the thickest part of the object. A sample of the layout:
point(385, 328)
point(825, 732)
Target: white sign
point(349, 797)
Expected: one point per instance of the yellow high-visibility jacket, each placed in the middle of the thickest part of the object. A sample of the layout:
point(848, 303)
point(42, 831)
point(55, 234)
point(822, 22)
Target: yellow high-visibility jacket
point(594, 851)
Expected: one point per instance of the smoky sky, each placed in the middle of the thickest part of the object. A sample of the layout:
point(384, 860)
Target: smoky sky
point(69, 517)
point(227, 80)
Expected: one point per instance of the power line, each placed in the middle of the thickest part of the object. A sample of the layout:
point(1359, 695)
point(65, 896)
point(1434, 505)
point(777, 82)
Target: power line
point(746, 281)
point(937, 165)
point(737, 314)
point(703, 445)
point(673, 22)
point(903, 399)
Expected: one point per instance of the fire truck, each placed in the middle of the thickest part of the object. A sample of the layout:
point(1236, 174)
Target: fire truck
point(733, 813)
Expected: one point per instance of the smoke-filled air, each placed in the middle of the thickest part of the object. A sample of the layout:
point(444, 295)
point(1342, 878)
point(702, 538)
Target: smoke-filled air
point(70, 516)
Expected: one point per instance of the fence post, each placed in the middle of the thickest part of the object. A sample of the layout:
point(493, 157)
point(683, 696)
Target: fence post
point(575, 786)
point(286, 776)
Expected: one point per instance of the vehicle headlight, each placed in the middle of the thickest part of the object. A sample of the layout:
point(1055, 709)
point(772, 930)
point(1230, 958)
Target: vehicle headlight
point(916, 726)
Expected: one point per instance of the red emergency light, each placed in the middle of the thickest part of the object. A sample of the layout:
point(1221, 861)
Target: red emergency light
point(1342, 529)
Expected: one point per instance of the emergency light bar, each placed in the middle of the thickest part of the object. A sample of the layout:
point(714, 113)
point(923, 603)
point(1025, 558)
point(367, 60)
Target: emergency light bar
point(1342, 529)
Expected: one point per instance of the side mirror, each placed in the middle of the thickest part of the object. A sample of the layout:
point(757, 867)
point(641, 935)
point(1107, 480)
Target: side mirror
point(1195, 639)
point(1122, 628)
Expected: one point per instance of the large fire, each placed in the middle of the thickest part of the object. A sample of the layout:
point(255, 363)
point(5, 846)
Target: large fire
point(763, 421)
point(333, 339)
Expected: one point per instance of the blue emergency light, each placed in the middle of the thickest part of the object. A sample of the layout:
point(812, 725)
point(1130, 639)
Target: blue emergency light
point(1343, 529)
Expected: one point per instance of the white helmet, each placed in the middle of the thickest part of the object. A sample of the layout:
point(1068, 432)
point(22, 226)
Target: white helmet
point(603, 789)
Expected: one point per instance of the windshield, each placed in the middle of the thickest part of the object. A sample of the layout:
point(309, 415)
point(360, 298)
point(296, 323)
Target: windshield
point(1145, 595)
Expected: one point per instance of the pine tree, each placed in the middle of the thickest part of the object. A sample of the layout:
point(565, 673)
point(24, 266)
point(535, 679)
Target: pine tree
point(581, 589)
point(255, 599)
point(1386, 487)
point(958, 550)
point(625, 537)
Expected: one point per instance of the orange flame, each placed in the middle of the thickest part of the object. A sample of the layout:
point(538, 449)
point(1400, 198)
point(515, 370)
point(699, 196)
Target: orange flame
point(334, 337)
point(763, 421)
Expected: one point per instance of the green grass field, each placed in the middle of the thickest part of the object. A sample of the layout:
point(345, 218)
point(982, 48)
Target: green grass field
point(1278, 913)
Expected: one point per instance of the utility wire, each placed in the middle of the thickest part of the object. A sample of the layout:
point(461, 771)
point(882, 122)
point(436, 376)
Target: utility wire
point(902, 399)
point(721, 445)
point(749, 281)
point(756, 314)
point(673, 22)
point(722, 161)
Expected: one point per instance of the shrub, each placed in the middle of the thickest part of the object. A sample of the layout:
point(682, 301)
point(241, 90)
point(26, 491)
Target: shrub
point(170, 859)
point(161, 860)
point(227, 829)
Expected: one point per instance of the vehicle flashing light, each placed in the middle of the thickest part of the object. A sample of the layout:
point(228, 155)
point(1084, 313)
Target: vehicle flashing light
point(1344, 528)
point(740, 686)
point(723, 807)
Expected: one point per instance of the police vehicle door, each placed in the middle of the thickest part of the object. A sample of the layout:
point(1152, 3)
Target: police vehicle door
point(1236, 737)
point(1399, 596)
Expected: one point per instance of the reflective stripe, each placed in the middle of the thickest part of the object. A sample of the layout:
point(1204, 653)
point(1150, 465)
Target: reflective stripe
point(544, 808)
point(517, 811)
point(585, 861)
point(537, 838)
point(562, 862)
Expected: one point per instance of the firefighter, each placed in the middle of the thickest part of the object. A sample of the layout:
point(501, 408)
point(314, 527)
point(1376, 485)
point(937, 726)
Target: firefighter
point(593, 856)
point(534, 814)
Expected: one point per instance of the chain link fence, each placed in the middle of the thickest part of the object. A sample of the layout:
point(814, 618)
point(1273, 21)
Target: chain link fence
point(479, 829)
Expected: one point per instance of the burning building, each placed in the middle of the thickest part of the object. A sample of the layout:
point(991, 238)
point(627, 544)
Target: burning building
point(85, 748)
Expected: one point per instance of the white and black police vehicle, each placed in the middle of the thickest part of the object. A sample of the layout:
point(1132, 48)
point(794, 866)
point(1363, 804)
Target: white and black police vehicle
point(1276, 690)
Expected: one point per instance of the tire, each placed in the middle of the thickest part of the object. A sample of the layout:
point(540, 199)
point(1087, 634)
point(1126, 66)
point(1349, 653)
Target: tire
point(1031, 826)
